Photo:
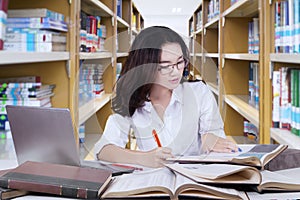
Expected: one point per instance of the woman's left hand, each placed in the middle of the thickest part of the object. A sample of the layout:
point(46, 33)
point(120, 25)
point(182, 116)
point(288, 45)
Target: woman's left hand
point(211, 142)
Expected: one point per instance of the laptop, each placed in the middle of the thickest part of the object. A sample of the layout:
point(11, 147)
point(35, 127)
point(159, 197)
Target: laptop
point(47, 135)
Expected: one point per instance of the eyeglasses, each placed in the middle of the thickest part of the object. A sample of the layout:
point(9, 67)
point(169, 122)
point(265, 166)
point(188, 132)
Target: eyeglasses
point(169, 68)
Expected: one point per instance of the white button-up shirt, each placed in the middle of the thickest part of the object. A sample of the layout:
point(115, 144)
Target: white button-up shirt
point(176, 127)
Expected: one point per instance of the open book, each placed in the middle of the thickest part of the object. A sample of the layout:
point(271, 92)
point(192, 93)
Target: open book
point(164, 183)
point(218, 173)
point(283, 180)
point(257, 155)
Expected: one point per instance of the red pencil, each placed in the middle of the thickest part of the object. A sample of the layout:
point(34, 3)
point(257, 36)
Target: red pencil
point(156, 138)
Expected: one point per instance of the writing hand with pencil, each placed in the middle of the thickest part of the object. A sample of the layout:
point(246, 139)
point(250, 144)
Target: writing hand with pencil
point(158, 156)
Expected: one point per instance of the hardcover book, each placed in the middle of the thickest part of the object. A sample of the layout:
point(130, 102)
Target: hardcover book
point(257, 155)
point(62, 180)
point(6, 193)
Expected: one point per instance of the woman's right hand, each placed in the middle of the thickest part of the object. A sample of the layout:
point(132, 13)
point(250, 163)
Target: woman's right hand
point(157, 157)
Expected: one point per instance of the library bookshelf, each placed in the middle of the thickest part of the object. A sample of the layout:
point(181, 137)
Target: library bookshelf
point(219, 45)
point(63, 68)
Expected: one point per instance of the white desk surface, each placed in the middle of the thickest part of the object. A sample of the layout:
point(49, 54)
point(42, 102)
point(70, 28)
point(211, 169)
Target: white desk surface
point(8, 160)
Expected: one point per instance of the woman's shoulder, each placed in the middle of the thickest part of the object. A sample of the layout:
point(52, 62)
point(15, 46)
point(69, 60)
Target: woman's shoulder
point(197, 86)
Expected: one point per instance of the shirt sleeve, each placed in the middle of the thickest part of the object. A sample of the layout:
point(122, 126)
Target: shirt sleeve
point(115, 132)
point(210, 120)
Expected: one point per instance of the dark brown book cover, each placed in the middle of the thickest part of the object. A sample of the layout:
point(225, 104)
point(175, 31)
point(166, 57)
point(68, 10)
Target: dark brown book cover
point(63, 180)
point(6, 193)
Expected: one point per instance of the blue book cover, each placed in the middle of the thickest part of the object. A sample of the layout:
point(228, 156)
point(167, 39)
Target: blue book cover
point(119, 8)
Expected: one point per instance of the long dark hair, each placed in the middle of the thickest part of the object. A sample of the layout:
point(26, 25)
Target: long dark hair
point(141, 67)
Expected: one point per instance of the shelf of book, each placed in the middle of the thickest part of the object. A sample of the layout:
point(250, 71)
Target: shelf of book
point(95, 55)
point(241, 56)
point(285, 58)
point(285, 137)
point(282, 57)
point(240, 103)
point(92, 106)
point(32, 57)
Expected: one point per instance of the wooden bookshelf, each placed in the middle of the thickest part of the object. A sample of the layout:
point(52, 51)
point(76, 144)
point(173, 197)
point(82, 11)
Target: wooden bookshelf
point(230, 55)
point(275, 61)
point(63, 68)
point(224, 60)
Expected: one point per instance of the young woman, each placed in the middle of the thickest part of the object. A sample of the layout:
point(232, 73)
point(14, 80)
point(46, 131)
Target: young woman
point(169, 116)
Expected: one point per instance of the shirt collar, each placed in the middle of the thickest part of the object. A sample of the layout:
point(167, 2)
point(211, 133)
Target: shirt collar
point(176, 97)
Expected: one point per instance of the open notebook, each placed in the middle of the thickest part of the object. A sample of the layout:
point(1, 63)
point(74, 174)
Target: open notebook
point(47, 135)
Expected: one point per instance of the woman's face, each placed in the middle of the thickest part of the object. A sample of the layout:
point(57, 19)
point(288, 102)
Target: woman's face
point(171, 66)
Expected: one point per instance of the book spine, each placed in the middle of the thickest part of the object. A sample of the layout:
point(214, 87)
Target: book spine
point(39, 25)
point(119, 8)
point(60, 190)
point(3, 18)
point(276, 99)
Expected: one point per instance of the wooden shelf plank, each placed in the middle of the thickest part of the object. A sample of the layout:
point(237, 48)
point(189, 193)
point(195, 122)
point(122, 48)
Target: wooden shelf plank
point(122, 23)
point(95, 55)
point(242, 8)
point(96, 7)
point(285, 137)
point(241, 56)
point(214, 23)
point(134, 31)
point(213, 87)
point(198, 31)
point(212, 55)
point(31, 57)
point(91, 107)
point(285, 58)
point(122, 54)
point(198, 54)
point(240, 104)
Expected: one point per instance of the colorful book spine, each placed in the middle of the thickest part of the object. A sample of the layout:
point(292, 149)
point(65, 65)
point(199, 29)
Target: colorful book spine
point(285, 104)
point(296, 46)
point(119, 8)
point(276, 99)
point(3, 18)
point(40, 25)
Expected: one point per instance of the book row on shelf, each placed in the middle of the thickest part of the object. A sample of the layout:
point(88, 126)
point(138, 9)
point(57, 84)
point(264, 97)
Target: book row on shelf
point(33, 30)
point(25, 91)
point(287, 26)
point(286, 101)
point(92, 33)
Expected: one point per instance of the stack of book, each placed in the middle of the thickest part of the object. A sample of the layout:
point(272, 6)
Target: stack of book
point(210, 176)
point(35, 30)
point(26, 91)
point(91, 83)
